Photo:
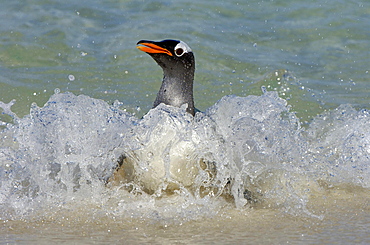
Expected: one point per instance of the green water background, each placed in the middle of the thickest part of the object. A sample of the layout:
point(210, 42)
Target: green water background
point(88, 47)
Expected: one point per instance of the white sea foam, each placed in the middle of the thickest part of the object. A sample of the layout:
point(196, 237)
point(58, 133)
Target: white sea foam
point(242, 151)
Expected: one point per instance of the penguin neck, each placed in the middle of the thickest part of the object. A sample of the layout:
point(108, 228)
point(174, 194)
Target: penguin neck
point(177, 89)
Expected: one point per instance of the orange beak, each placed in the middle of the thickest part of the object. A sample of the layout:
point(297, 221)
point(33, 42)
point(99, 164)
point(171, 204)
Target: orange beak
point(152, 48)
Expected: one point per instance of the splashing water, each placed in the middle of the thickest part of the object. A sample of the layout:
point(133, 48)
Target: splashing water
point(80, 152)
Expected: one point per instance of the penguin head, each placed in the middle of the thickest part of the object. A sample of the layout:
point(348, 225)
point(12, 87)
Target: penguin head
point(170, 54)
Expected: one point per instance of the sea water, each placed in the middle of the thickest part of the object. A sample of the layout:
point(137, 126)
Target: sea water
point(279, 152)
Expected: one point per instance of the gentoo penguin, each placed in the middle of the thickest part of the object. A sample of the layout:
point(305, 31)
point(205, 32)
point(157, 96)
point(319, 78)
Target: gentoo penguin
point(178, 64)
point(147, 166)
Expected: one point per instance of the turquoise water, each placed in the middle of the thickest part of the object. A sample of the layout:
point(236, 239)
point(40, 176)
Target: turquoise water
point(288, 143)
point(324, 44)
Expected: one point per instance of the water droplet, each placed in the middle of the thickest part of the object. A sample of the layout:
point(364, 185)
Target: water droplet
point(56, 91)
point(264, 90)
point(71, 78)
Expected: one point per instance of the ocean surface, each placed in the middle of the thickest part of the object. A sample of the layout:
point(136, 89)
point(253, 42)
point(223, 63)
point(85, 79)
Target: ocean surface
point(279, 153)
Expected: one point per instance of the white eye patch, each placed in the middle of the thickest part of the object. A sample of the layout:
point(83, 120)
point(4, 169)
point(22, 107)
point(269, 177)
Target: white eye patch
point(182, 48)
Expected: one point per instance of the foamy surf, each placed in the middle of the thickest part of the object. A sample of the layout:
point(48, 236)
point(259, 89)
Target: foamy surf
point(81, 152)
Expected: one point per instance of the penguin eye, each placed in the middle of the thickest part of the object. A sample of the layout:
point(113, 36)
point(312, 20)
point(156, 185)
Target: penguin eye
point(181, 48)
point(179, 52)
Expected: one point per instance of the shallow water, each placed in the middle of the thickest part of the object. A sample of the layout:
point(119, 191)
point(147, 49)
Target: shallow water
point(346, 222)
point(280, 153)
